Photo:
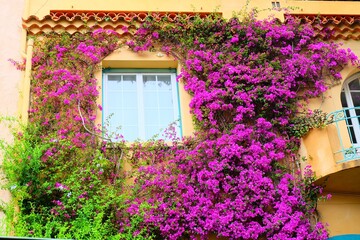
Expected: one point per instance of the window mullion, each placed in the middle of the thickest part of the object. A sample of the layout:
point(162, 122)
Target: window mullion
point(158, 101)
point(141, 118)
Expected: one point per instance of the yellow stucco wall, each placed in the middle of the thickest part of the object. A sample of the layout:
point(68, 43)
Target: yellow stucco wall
point(41, 8)
point(342, 213)
point(323, 7)
point(11, 46)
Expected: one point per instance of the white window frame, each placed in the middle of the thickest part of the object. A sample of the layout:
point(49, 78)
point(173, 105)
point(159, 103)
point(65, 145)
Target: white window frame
point(350, 104)
point(140, 100)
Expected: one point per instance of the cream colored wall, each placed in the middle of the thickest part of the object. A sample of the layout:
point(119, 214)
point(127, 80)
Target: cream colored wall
point(11, 46)
point(323, 7)
point(342, 213)
point(41, 8)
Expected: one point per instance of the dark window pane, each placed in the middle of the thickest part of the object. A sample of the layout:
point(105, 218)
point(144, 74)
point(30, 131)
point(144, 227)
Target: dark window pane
point(343, 99)
point(355, 96)
point(354, 85)
point(352, 134)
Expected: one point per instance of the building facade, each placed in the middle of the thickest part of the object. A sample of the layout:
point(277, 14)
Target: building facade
point(149, 77)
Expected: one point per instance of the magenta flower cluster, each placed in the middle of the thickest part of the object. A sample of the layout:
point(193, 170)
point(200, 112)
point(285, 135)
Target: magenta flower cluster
point(64, 85)
point(233, 178)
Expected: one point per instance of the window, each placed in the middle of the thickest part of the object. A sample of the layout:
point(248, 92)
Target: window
point(142, 104)
point(275, 4)
point(350, 100)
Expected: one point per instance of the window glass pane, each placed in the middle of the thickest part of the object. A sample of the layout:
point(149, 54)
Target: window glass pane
point(114, 77)
point(121, 82)
point(357, 112)
point(348, 120)
point(130, 133)
point(352, 134)
point(152, 131)
point(151, 116)
point(130, 117)
point(164, 83)
point(114, 82)
point(114, 99)
point(150, 100)
point(165, 100)
point(114, 119)
point(166, 117)
point(355, 96)
point(149, 82)
point(112, 125)
point(354, 85)
point(130, 100)
point(129, 83)
point(343, 99)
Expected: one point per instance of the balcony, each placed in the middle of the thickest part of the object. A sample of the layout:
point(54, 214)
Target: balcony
point(349, 142)
point(334, 155)
point(336, 147)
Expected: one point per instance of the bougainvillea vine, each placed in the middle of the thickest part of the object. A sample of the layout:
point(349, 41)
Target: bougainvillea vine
point(235, 178)
point(246, 79)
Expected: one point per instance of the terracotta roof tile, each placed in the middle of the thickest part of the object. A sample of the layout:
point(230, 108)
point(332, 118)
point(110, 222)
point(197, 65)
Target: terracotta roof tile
point(335, 27)
point(328, 19)
point(73, 21)
point(127, 16)
point(341, 27)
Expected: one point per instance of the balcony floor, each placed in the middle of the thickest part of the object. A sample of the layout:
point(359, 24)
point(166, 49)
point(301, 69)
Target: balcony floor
point(344, 181)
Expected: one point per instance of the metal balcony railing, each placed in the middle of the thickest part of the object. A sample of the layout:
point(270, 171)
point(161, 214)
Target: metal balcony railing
point(350, 117)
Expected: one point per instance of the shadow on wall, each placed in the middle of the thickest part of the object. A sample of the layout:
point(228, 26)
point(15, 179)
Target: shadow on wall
point(346, 237)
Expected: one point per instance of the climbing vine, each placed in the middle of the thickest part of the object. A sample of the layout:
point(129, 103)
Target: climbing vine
point(236, 177)
point(61, 174)
point(300, 125)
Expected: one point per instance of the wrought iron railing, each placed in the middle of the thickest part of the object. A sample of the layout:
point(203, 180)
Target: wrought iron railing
point(351, 119)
